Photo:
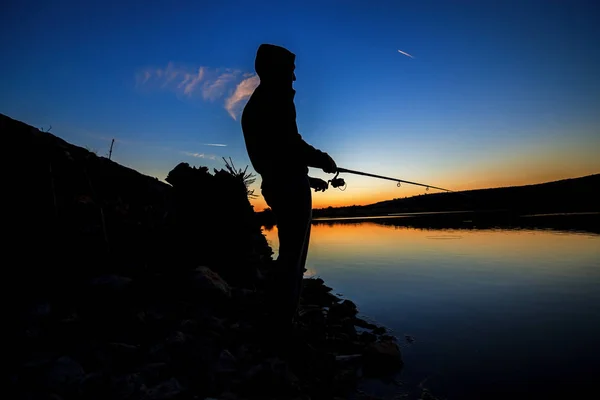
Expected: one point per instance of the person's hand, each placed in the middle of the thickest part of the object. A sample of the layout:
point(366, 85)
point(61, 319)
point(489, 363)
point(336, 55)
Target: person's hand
point(318, 184)
point(329, 166)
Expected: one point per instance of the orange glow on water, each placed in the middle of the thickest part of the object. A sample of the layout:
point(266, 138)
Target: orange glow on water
point(342, 241)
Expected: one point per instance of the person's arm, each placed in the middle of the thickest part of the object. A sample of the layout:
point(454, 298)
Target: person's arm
point(313, 157)
point(318, 184)
point(278, 123)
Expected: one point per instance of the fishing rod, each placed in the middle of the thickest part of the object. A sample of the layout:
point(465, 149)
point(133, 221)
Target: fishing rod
point(339, 182)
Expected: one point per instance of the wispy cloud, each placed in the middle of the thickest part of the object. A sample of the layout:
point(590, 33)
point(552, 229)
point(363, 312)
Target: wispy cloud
point(214, 144)
point(231, 86)
point(243, 91)
point(213, 90)
point(189, 81)
point(199, 155)
point(405, 53)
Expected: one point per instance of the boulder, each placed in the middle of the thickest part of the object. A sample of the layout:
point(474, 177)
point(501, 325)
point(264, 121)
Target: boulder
point(361, 323)
point(381, 357)
point(64, 373)
point(163, 391)
point(110, 283)
point(209, 283)
point(346, 309)
point(380, 330)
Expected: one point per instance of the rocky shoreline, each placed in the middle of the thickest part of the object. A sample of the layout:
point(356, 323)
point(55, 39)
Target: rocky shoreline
point(123, 342)
point(128, 288)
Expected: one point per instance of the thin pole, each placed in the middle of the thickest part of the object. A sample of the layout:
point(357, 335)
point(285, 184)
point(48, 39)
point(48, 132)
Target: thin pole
point(349, 171)
point(111, 147)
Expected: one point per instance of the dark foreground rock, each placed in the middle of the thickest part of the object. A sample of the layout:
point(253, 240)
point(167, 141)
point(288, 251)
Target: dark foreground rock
point(124, 287)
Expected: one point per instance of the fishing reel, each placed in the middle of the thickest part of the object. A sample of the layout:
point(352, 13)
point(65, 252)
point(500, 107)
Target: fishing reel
point(337, 182)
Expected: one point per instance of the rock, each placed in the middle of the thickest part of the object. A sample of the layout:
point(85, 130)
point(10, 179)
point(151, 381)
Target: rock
point(189, 325)
point(151, 315)
point(268, 378)
point(32, 333)
point(361, 323)
point(214, 324)
point(332, 298)
point(244, 294)
point(93, 385)
point(381, 357)
point(177, 338)
point(117, 355)
point(345, 376)
point(159, 353)
point(314, 292)
point(348, 358)
point(114, 283)
point(41, 310)
point(152, 372)
point(312, 315)
point(163, 391)
point(210, 283)
point(123, 348)
point(37, 363)
point(71, 318)
point(226, 362)
point(349, 304)
point(426, 395)
point(316, 282)
point(226, 396)
point(368, 337)
point(379, 330)
point(64, 372)
point(388, 338)
point(125, 386)
point(346, 309)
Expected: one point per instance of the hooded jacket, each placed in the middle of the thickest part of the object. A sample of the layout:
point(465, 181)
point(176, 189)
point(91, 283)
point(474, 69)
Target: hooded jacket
point(274, 146)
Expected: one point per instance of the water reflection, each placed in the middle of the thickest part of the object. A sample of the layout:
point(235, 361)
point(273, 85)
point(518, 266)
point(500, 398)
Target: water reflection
point(571, 222)
point(495, 312)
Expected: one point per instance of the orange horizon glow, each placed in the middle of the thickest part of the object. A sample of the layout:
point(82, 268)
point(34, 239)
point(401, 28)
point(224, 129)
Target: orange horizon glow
point(387, 190)
point(531, 163)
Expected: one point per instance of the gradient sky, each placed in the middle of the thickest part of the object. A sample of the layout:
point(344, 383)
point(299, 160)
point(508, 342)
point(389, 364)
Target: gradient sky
point(496, 94)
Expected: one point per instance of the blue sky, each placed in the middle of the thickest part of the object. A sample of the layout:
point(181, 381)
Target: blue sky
point(496, 94)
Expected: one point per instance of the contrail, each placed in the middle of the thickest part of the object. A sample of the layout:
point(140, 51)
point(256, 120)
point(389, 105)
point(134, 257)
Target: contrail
point(406, 54)
point(214, 144)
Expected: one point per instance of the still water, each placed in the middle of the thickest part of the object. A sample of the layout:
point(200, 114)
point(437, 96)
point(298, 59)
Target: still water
point(495, 313)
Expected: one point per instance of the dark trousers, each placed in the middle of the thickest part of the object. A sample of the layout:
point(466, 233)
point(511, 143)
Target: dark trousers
point(291, 201)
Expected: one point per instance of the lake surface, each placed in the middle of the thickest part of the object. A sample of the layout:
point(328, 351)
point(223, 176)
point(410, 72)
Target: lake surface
point(495, 313)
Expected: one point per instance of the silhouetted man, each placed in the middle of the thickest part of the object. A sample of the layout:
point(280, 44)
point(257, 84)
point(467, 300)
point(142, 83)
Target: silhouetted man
point(280, 155)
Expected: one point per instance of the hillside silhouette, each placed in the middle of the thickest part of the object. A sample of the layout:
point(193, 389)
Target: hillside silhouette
point(125, 287)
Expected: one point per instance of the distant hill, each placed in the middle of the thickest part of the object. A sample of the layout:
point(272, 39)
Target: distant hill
point(567, 195)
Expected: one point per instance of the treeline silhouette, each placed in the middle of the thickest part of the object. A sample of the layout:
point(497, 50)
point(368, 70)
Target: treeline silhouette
point(76, 208)
point(568, 195)
point(575, 195)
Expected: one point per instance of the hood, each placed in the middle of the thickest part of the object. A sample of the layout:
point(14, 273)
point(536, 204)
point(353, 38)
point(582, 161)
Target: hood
point(274, 63)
